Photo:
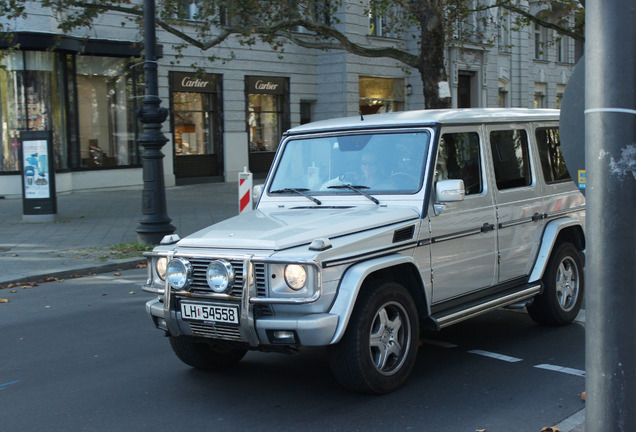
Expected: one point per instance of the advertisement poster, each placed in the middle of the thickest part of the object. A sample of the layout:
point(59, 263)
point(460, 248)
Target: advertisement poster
point(36, 169)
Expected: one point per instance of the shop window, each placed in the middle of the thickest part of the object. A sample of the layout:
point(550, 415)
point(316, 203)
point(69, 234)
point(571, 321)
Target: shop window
point(31, 99)
point(192, 123)
point(380, 95)
point(106, 102)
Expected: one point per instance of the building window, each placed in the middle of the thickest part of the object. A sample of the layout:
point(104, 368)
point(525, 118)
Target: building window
point(504, 29)
point(540, 42)
point(106, 103)
point(502, 96)
point(305, 112)
point(559, 95)
point(379, 24)
point(539, 95)
point(563, 48)
point(380, 95)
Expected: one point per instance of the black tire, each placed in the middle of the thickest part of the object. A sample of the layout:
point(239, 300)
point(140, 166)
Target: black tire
point(563, 286)
point(205, 356)
point(378, 350)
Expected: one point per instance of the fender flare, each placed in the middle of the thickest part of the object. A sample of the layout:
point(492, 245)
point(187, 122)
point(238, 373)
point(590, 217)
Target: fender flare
point(351, 283)
point(550, 235)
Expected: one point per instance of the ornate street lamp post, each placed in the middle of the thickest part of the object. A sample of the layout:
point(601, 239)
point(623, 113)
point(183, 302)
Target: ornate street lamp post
point(155, 222)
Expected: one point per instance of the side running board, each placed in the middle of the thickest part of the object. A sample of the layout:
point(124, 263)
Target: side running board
point(447, 317)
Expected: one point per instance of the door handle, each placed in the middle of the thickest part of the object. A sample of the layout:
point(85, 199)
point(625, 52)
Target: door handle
point(487, 227)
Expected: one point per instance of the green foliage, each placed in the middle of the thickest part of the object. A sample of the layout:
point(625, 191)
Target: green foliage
point(315, 24)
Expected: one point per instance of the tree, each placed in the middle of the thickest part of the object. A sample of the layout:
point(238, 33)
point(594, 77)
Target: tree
point(432, 24)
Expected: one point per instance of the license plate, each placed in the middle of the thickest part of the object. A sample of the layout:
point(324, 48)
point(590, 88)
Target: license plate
point(228, 314)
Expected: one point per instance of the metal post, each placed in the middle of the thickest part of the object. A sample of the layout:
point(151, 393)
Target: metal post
point(610, 126)
point(155, 222)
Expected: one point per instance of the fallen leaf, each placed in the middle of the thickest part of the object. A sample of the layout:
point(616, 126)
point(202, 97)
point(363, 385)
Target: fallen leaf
point(131, 292)
point(60, 280)
point(117, 274)
point(15, 255)
point(143, 264)
point(74, 276)
point(583, 396)
point(3, 300)
point(11, 285)
point(551, 429)
point(104, 294)
point(13, 291)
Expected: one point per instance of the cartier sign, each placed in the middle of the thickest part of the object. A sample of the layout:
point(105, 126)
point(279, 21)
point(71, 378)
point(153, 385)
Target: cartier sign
point(193, 82)
point(266, 85)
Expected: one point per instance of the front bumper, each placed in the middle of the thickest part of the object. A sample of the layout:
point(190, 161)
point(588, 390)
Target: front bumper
point(307, 330)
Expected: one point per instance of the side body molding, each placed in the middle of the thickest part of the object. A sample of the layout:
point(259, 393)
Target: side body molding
point(351, 283)
point(550, 234)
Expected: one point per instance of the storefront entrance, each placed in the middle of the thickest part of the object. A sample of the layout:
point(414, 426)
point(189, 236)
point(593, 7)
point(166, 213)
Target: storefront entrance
point(196, 117)
point(267, 119)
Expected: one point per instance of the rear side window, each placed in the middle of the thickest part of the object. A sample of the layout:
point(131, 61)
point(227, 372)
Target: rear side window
point(511, 158)
point(552, 162)
point(459, 158)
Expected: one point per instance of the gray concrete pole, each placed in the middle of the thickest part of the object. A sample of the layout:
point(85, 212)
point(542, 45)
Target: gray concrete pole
point(610, 126)
point(155, 222)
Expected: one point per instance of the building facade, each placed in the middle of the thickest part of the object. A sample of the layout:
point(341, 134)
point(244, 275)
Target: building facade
point(86, 86)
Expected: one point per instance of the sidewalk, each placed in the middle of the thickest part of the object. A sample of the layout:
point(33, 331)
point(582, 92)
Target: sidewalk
point(88, 222)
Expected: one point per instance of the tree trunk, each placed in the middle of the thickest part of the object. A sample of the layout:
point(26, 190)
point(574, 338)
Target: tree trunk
point(431, 59)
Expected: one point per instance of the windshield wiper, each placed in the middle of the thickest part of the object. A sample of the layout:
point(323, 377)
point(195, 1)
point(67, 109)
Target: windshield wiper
point(357, 189)
point(300, 191)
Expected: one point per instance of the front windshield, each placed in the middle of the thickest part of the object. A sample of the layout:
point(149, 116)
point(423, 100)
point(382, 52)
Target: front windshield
point(380, 163)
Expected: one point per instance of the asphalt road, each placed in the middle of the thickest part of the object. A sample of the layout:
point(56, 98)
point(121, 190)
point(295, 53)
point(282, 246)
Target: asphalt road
point(81, 355)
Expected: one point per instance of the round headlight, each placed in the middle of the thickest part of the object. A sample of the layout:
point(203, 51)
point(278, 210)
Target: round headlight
point(220, 276)
point(179, 273)
point(161, 265)
point(295, 276)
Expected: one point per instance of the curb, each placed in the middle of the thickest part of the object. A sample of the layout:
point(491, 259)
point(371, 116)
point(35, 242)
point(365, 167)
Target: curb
point(122, 264)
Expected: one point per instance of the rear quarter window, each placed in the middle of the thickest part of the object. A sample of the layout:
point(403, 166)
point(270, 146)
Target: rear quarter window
point(552, 162)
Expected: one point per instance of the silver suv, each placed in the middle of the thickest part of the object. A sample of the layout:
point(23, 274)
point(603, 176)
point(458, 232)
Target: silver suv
point(371, 229)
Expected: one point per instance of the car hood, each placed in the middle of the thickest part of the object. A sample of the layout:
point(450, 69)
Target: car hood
point(278, 229)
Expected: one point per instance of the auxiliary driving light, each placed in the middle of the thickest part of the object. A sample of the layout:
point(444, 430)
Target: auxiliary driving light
point(220, 276)
point(179, 273)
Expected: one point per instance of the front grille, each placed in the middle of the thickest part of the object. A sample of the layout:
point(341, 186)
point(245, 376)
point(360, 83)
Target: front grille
point(200, 283)
point(261, 280)
point(216, 331)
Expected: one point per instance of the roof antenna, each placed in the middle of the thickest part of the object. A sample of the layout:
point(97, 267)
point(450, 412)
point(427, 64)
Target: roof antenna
point(361, 117)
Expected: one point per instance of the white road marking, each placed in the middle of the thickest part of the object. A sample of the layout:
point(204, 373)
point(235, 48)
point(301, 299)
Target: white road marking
point(566, 370)
point(496, 356)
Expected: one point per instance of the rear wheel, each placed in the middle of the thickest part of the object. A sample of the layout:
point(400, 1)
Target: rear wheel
point(563, 283)
point(205, 356)
point(378, 350)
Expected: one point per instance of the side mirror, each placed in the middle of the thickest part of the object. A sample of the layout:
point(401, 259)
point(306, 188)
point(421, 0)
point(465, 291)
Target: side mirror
point(257, 191)
point(450, 190)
